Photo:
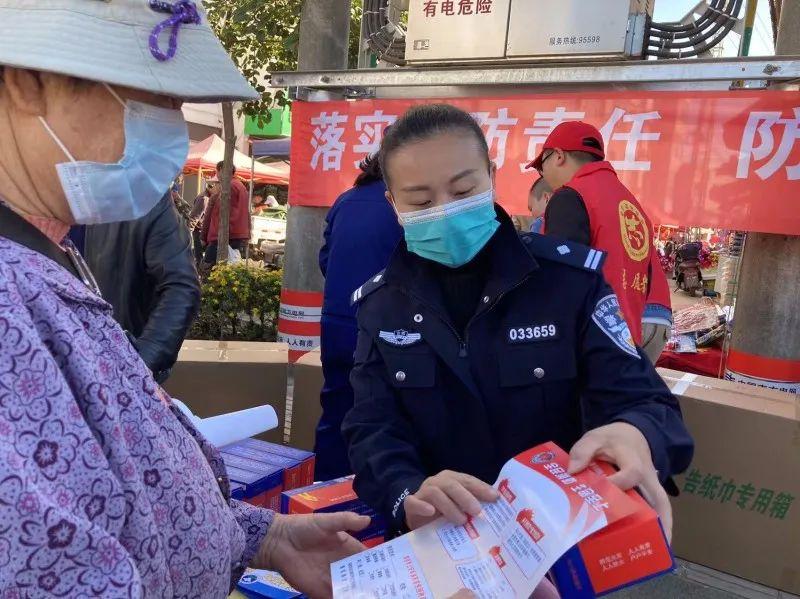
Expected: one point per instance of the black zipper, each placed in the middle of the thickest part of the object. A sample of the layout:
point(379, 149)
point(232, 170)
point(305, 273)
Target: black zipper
point(463, 343)
point(491, 306)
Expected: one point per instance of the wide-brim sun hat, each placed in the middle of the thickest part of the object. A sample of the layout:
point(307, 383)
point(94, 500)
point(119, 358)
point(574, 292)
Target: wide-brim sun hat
point(123, 42)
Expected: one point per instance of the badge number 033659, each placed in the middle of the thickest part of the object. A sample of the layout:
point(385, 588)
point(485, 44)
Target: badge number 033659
point(522, 334)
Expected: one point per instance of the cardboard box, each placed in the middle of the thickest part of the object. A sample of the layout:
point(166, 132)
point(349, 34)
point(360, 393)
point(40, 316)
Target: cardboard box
point(626, 553)
point(739, 508)
point(215, 378)
point(298, 464)
point(306, 409)
point(333, 496)
point(262, 485)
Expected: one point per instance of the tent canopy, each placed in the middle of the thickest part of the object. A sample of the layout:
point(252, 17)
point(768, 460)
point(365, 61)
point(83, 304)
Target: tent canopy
point(204, 155)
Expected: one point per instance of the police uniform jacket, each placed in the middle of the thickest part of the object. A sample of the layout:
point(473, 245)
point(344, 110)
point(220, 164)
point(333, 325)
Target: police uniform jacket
point(546, 356)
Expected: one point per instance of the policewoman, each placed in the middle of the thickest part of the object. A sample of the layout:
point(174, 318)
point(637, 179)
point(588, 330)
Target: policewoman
point(476, 344)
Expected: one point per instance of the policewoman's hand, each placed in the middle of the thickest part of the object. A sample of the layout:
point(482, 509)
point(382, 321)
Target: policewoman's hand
point(450, 494)
point(302, 547)
point(623, 445)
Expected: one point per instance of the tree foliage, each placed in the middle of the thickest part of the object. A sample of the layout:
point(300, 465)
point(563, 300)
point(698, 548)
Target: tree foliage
point(263, 37)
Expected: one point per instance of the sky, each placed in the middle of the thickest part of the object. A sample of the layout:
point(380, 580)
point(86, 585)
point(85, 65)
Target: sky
point(761, 43)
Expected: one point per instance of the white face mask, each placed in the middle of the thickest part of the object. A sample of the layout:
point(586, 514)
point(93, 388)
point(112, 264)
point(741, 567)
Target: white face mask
point(156, 146)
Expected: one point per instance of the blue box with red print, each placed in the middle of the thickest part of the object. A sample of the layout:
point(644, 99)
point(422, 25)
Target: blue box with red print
point(237, 491)
point(298, 464)
point(262, 484)
point(335, 495)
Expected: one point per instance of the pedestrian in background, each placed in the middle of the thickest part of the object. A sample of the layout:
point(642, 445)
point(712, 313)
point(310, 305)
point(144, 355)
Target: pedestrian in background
point(361, 233)
point(196, 216)
point(538, 197)
point(239, 219)
point(180, 204)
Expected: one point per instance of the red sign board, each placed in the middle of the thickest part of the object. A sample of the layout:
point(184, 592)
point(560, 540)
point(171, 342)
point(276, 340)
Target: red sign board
point(723, 159)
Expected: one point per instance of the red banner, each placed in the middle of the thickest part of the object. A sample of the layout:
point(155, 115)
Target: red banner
point(721, 159)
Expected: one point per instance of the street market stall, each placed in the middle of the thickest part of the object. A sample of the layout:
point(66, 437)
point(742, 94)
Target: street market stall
point(204, 156)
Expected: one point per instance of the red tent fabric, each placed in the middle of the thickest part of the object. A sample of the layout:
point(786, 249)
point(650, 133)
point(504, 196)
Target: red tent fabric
point(204, 156)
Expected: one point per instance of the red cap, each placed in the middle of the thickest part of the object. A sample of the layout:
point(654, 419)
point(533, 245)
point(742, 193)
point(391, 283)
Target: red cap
point(571, 136)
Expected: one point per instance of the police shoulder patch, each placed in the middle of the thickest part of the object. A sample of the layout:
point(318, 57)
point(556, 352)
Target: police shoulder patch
point(566, 252)
point(607, 315)
point(367, 288)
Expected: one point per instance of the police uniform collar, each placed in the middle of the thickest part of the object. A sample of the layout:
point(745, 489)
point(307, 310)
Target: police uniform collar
point(509, 263)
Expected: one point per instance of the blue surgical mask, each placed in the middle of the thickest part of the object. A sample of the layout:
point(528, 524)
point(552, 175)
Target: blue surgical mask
point(452, 234)
point(156, 146)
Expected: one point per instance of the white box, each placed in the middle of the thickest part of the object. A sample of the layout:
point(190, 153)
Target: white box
point(456, 30)
point(539, 28)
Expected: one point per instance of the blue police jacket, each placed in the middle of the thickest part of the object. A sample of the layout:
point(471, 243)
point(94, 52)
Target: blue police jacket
point(546, 357)
point(361, 233)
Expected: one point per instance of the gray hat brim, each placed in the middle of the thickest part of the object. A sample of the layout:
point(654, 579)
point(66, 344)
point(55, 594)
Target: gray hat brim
point(78, 45)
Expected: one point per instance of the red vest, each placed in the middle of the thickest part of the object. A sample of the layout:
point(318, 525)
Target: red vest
point(619, 227)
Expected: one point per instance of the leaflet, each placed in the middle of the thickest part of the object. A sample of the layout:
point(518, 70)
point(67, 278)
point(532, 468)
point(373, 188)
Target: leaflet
point(502, 553)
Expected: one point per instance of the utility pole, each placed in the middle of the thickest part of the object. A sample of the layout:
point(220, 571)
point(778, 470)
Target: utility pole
point(226, 175)
point(765, 348)
point(324, 40)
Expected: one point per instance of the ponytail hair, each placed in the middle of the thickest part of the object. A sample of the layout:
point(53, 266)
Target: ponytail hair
point(370, 171)
point(424, 121)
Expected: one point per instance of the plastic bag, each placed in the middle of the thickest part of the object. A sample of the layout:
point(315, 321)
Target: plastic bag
point(234, 257)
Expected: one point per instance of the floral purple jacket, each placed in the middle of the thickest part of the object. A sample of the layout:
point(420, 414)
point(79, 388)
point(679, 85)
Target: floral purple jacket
point(105, 489)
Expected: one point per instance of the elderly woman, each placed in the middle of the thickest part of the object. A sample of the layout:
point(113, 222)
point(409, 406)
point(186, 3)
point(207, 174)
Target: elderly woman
point(105, 489)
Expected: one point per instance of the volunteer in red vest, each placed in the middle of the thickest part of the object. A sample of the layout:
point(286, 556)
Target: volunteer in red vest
point(591, 206)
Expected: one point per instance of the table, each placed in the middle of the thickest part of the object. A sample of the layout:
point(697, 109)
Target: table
point(706, 362)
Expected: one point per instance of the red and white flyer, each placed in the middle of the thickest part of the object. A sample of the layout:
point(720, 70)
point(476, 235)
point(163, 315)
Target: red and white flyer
point(506, 551)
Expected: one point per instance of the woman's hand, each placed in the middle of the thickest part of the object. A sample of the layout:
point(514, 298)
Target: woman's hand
point(625, 446)
point(450, 494)
point(302, 548)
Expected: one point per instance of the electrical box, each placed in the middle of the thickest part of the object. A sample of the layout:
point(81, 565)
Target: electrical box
point(465, 31)
point(542, 28)
point(457, 30)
